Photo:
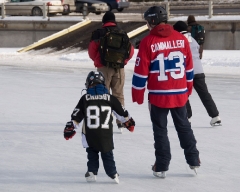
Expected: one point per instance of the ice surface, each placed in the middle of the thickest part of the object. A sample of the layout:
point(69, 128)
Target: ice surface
point(37, 95)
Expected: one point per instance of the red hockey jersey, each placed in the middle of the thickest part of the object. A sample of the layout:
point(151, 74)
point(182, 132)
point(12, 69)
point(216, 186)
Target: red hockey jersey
point(164, 61)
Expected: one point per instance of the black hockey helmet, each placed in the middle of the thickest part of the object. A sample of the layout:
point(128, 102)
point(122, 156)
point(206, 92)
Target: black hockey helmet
point(155, 15)
point(95, 77)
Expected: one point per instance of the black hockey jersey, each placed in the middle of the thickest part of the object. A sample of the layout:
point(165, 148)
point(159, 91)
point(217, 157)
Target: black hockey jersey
point(96, 110)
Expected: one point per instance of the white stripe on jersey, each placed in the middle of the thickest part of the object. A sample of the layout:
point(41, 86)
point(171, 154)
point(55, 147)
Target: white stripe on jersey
point(141, 76)
point(190, 70)
point(167, 91)
point(138, 88)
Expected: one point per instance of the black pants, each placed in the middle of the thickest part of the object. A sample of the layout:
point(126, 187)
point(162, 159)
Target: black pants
point(107, 158)
point(201, 88)
point(160, 132)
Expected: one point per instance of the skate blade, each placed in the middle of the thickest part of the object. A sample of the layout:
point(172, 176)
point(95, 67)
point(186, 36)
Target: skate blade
point(160, 174)
point(216, 124)
point(121, 130)
point(116, 180)
point(195, 170)
point(91, 178)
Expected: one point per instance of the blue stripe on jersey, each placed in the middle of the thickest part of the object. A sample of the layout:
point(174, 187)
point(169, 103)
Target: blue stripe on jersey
point(168, 92)
point(189, 75)
point(172, 64)
point(139, 81)
point(154, 66)
point(168, 64)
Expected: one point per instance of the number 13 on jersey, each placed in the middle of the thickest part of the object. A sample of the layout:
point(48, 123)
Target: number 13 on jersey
point(173, 63)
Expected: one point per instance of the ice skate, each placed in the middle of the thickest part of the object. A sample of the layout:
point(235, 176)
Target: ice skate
point(91, 177)
point(216, 121)
point(194, 168)
point(161, 174)
point(120, 127)
point(116, 178)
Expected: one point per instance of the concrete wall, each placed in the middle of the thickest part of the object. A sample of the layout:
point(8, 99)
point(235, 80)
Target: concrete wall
point(220, 35)
point(24, 33)
point(21, 38)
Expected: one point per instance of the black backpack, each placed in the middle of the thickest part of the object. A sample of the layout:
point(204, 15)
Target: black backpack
point(198, 33)
point(114, 48)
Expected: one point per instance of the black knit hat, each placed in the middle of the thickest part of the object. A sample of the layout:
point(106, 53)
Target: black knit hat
point(108, 17)
point(191, 19)
point(180, 26)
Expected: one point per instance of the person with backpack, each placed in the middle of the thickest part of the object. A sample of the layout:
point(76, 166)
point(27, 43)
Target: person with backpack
point(197, 31)
point(110, 49)
point(95, 109)
point(199, 83)
point(164, 63)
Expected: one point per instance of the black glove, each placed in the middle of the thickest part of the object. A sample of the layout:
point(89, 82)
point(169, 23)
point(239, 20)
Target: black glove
point(130, 124)
point(69, 131)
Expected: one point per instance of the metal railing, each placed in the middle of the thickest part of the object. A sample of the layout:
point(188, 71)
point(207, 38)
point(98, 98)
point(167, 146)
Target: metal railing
point(210, 8)
point(3, 10)
point(177, 8)
point(45, 10)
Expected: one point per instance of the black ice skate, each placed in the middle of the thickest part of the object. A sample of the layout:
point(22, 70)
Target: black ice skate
point(161, 174)
point(91, 176)
point(194, 168)
point(116, 178)
point(216, 121)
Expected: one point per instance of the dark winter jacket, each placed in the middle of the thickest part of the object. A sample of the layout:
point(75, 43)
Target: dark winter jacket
point(189, 30)
point(93, 48)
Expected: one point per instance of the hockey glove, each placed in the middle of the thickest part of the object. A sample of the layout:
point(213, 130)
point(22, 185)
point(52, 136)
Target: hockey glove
point(69, 131)
point(130, 124)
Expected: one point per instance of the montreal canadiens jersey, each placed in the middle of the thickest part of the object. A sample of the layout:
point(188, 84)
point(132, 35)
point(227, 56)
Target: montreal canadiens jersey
point(164, 63)
point(96, 111)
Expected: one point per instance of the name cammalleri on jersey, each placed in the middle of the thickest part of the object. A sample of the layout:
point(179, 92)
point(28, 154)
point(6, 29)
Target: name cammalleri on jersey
point(167, 45)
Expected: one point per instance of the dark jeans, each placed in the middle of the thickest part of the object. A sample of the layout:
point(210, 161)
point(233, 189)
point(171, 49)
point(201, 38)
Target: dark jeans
point(160, 132)
point(107, 158)
point(201, 88)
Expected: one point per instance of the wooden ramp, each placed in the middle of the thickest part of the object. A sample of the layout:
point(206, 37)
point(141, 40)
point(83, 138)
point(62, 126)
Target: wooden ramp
point(78, 36)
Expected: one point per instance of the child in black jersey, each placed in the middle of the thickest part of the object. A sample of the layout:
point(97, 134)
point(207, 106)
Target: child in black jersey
point(96, 108)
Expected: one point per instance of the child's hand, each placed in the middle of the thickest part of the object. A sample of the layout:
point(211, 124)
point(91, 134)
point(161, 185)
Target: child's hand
point(130, 124)
point(69, 131)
